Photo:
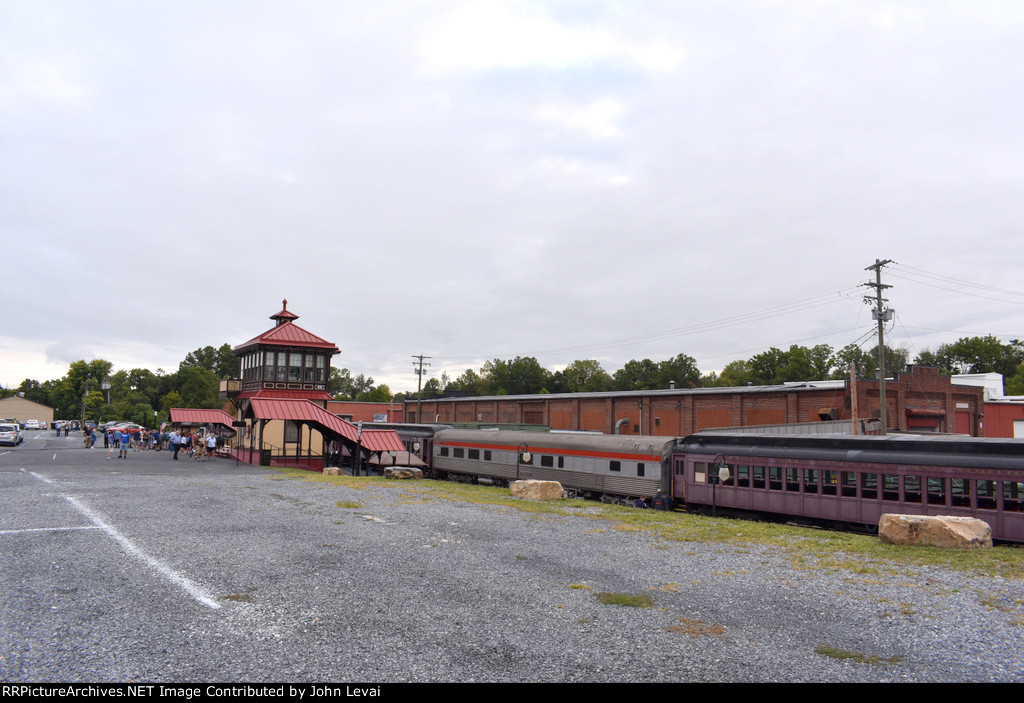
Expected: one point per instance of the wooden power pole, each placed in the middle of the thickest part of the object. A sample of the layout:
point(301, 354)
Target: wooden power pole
point(882, 316)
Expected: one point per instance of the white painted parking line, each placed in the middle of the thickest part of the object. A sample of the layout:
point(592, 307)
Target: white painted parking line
point(167, 572)
point(48, 529)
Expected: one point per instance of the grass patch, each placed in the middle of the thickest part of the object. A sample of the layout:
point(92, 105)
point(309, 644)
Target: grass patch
point(697, 628)
point(626, 600)
point(808, 549)
point(836, 653)
point(351, 504)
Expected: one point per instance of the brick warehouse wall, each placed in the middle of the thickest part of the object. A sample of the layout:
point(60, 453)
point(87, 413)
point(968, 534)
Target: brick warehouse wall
point(684, 411)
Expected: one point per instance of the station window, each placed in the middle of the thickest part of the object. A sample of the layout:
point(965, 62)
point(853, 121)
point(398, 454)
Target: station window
point(986, 495)
point(936, 491)
point(890, 487)
point(829, 482)
point(1013, 496)
point(810, 480)
point(912, 489)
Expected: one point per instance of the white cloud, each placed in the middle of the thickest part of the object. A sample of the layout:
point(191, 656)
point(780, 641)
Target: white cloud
point(481, 36)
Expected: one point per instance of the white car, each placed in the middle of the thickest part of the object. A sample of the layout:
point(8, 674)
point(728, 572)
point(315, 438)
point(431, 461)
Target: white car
point(31, 424)
point(10, 434)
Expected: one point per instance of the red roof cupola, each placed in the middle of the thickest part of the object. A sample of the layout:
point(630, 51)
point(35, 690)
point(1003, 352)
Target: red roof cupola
point(284, 316)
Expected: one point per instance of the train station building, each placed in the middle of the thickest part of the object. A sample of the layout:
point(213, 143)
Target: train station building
point(281, 399)
point(919, 400)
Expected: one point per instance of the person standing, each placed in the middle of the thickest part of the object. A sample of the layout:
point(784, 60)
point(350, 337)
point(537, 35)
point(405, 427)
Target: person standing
point(175, 444)
point(211, 444)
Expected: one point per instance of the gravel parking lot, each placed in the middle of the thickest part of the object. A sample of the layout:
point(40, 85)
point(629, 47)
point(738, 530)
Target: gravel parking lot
point(147, 569)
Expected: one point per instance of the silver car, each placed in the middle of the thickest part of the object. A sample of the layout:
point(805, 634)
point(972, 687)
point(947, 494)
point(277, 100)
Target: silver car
point(10, 434)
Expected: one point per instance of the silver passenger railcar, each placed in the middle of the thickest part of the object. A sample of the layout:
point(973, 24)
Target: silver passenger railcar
point(613, 468)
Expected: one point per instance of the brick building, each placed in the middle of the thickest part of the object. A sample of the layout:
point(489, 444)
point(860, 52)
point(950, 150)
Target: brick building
point(921, 399)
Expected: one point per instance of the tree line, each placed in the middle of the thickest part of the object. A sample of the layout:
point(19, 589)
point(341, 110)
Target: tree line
point(525, 375)
point(145, 397)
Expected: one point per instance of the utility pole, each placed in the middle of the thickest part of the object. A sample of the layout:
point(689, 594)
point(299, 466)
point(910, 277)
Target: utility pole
point(418, 370)
point(882, 316)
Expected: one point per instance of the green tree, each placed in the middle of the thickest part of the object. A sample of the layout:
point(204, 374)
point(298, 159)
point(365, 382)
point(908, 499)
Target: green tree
point(581, 376)
point(522, 375)
point(636, 376)
point(681, 370)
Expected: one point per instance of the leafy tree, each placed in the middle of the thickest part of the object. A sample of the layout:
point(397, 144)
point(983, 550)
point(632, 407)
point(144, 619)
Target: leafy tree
point(976, 355)
point(470, 382)
point(636, 376)
point(681, 369)
point(582, 376)
point(221, 361)
point(380, 394)
point(522, 375)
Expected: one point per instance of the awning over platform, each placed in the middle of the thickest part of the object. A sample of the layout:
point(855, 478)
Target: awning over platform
point(307, 411)
point(199, 416)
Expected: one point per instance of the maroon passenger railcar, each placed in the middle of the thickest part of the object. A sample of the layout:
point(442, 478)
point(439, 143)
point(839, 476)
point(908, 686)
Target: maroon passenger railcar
point(856, 479)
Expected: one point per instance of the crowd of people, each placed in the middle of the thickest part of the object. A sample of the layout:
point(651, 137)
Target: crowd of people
point(200, 444)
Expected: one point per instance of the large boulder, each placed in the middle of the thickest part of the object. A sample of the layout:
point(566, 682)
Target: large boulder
point(537, 490)
point(402, 472)
point(935, 530)
point(332, 471)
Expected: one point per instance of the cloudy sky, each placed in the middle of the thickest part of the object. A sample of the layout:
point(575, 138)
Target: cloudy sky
point(477, 180)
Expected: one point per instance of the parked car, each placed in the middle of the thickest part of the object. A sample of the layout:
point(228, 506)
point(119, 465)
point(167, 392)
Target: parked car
point(31, 424)
point(10, 434)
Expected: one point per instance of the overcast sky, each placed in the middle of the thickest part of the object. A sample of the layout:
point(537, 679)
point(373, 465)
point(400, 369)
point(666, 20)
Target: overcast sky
point(479, 180)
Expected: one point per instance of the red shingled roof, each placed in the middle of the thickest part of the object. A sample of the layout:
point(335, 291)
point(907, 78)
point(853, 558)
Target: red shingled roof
point(281, 409)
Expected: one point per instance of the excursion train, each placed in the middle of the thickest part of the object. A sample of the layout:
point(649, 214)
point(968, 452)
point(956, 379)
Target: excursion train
point(829, 479)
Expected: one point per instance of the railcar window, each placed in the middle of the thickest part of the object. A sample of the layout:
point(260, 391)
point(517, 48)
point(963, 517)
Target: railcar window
point(890, 487)
point(743, 475)
point(849, 483)
point(561, 462)
point(474, 454)
point(775, 478)
point(640, 469)
point(459, 453)
point(792, 479)
point(700, 472)
point(614, 466)
point(758, 477)
point(828, 482)
point(960, 492)
point(869, 486)
point(547, 460)
point(936, 491)
point(986, 495)
point(442, 451)
point(912, 489)
point(487, 455)
point(1013, 496)
point(810, 480)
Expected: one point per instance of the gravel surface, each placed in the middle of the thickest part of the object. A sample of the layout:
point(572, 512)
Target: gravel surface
point(148, 569)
